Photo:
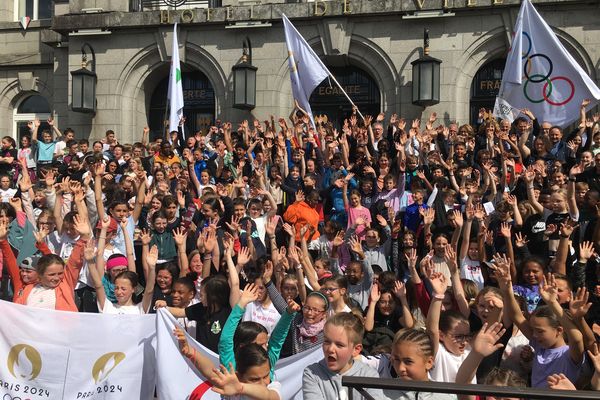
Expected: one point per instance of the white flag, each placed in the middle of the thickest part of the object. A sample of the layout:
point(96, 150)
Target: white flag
point(541, 75)
point(307, 70)
point(175, 87)
point(47, 354)
point(178, 379)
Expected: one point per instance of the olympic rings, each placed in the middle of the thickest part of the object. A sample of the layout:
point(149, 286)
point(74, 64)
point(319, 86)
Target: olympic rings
point(554, 103)
point(539, 78)
point(548, 82)
point(529, 40)
point(528, 65)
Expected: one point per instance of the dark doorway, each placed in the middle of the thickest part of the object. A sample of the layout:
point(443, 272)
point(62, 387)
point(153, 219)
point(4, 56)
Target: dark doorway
point(485, 87)
point(329, 100)
point(199, 100)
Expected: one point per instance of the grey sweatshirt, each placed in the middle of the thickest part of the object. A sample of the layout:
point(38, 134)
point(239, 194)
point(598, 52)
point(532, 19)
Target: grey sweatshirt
point(318, 383)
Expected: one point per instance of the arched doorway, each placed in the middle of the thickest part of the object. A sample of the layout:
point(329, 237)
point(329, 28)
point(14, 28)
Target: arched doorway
point(329, 100)
point(30, 108)
point(485, 87)
point(199, 103)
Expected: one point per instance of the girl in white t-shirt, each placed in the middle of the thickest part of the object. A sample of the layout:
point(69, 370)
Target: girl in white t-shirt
point(449, 332)
point(470, 266)
point(125, 282)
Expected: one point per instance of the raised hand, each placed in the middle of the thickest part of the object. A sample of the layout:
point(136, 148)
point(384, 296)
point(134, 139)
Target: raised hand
point(567, 227)
point(586, 251)
point(560, 382)
point(338, 240)
point(82, 226)
point(89, 251)
point(382, 221)
point(502, 269)
point(249, 294)
point(486, 341)
point(226, 382)
point(152, 257)
point(521, 240)
point(355, 244)
point(40, 234)
point(438, 283)
point(594, 355)
point(450, 258)
point(293, 307)
point(180, 236)
point(579, 306)
point(243, 256)
point(458, 218)
point(411, 257)
point(271, 226)
point(548, 289)
point(184, 347)
point(399, 289)
point(505, 229)
point(145, 236)
point(375, 294)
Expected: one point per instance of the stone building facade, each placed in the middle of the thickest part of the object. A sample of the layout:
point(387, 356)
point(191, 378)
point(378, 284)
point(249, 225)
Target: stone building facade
point(369, 43)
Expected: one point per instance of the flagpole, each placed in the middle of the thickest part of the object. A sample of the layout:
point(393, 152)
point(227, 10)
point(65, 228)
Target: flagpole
point(326, 69)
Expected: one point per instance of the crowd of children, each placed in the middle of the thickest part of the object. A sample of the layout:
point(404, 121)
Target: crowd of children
point(403, 249)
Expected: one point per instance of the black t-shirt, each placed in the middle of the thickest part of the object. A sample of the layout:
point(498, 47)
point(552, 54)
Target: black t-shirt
point(556, 219)
point(534, 227)
point(208, 326)
point(159, 295)
point(4, 167)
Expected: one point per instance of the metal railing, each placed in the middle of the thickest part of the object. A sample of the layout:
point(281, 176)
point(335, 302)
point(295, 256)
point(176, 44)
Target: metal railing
point(360, 383)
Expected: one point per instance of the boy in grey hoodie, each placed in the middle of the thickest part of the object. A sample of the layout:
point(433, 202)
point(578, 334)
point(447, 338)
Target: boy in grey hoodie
point(342, 343)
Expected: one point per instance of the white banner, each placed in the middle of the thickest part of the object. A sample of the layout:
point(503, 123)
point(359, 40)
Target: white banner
point(178, 380)
point(541, 75)
point(46, 354)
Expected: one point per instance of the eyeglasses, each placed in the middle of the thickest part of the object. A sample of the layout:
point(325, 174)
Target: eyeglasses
point(461, 338)
point(312, 310)
point(329, 289)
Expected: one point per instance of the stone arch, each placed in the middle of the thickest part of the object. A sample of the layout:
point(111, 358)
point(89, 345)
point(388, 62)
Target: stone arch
point(137, 83)
point(362, 53)
point(12, 94)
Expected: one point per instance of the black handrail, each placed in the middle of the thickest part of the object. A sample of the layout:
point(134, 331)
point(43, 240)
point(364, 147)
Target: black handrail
point(359, 383)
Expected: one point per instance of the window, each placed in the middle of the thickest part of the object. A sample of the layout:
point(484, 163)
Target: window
point(34, 9)
point(30, 108)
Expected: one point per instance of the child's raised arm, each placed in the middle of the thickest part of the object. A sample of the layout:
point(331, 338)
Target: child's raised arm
point(439, 286)
point(511, 309)
point(199, 360)
point(151, 259)
point(484, 344)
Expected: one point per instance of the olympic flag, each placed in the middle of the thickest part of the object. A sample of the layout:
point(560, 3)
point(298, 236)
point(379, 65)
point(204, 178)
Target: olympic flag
point(307, 70)
point(175, 86)
point(541, 75)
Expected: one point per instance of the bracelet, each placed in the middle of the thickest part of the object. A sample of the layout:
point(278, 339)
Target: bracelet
point(565, 236)
point(572, 179)
point(299, 266)
point(439, 296)
point(206, 258)
point(101, 237)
